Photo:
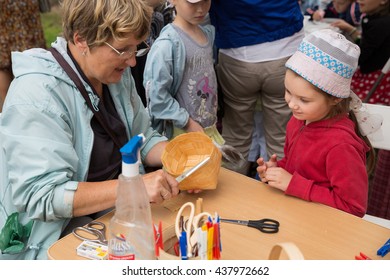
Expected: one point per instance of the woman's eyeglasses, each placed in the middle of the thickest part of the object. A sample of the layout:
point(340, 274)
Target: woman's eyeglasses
point(129, 54)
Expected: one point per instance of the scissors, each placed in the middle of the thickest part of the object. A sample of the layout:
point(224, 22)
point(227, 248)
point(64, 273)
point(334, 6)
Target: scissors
point(97, 229)
point(264, 225)
point(189, 226)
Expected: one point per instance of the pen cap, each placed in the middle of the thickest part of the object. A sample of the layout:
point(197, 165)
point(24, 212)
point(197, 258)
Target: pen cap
point(131, 156)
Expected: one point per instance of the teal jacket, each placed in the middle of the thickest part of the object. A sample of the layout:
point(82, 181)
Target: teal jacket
point(46, 141)
point(163, 75)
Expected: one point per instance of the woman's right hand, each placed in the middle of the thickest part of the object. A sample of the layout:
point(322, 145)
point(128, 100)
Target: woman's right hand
point(160, 186)
point(263, 166)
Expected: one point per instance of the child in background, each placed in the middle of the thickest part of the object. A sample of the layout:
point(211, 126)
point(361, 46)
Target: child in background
point(314, 8)
point(349, 15)
point(162, 15)
point(375, 51)
point(179, 75)
point(347, 11)
point(325, 153)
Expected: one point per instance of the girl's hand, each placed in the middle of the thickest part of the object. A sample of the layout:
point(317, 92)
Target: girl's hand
point(318, 15)
point(343, 25)
point(278, 177)
point(194, 191)
point(263, 166)
point(193, 126)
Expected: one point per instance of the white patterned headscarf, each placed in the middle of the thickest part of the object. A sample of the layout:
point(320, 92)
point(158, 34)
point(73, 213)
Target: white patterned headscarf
point(328, 60)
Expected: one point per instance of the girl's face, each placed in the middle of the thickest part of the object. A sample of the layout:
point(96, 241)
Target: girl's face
point(193, 13)
point(371, 6)
point(305, 100)
point(341, 5)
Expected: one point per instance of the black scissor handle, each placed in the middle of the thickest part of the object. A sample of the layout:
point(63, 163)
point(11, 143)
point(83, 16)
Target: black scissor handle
point(265, 225)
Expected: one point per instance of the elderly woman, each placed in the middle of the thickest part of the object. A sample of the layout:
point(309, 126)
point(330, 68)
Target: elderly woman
point(60, 160)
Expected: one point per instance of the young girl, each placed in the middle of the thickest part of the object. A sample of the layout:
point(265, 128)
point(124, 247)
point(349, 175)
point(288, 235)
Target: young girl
point(325, 153)
point(179, 74)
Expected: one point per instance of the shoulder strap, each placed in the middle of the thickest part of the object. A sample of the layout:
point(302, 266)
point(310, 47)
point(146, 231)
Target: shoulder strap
point(75, 78)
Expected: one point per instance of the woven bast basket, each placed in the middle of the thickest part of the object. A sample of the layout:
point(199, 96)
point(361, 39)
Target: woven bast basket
point(187, 150)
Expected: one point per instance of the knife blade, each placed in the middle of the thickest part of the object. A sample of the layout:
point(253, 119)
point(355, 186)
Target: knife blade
point(188, 172)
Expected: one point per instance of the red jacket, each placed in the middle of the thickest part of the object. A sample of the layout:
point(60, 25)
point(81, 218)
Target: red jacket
point(328, 163)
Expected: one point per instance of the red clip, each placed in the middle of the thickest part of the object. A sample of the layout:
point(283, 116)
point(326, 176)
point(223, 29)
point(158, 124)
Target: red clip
point(161, 241)
point(158, 238)
point(362, 257)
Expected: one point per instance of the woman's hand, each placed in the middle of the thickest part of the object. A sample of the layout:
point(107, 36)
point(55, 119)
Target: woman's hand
point(263, 166)
point(160, 186)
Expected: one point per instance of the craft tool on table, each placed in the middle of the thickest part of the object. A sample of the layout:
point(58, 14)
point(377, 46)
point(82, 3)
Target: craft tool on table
point(384, 249)
point(158, 238)
point(96, 229)
point(92, 250)
point(362, 256)
point(199, 233)
point(264, 225)
point(188, 172)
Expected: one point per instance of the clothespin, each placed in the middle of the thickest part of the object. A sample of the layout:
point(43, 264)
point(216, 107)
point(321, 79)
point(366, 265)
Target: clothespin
point(158, 238)
point(216, 250)
point(183, 245)
point(384, 249)
point(219, 232)
point(203, 243)
point(362, 256)
point(210, 242)
point(183, 240)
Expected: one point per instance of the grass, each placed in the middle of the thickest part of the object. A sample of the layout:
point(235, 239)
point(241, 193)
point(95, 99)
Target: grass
point(51, 23)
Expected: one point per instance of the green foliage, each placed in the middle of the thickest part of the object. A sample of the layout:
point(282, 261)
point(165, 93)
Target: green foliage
point(51, 23)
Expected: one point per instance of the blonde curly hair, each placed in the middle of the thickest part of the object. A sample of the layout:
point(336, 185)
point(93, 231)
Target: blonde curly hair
point(98, 21)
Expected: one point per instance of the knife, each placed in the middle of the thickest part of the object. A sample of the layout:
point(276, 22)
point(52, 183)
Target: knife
point(188, 172)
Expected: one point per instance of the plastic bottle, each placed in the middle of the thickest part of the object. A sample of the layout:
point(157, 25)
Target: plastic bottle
point(131, 228)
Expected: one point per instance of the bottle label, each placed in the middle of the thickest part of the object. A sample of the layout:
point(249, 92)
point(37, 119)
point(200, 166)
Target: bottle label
point(120, 249)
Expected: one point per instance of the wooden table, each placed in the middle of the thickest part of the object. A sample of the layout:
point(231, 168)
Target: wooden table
point(319, 231)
